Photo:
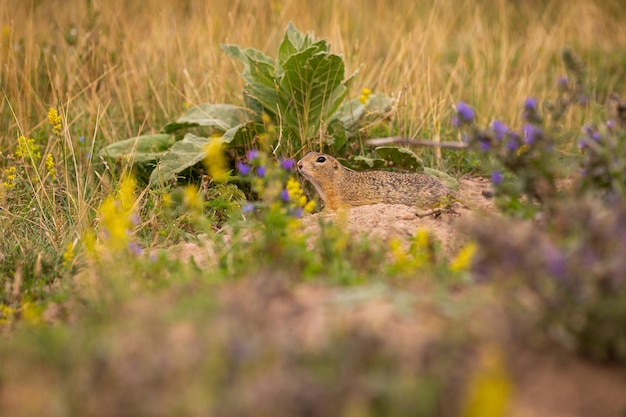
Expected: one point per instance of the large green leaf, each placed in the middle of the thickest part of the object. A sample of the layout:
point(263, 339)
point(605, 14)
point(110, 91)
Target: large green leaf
point(218, 116)
point(336, 98)
point(361, 163)
point(142, 149)
point(310, 80)
point(259, 75)
point(182, 155)
point(238, 134)
point(293, 42)
point(352, 112)
point(379, 103)
point(400, 158)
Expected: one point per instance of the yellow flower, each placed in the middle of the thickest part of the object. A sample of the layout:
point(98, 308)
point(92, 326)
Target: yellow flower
point(166, 199)
point(114, 224)
point(294, 189)
point(309, 207)
point(52, 172)
point(489, 389)
point(398, 253)
point(126, 194)
point(10, 177)
point(215, 160)
point(421, 240)
point(192, 199)
point(6, 314)
point(117, 217)
point(463, 259)
point(296, 195)
point(416, 257)
point(69, 254)
point(89, 240)
point(522, 149)
point(26, 148)
point(31, 313)
point(55, 121)
point(365, 95)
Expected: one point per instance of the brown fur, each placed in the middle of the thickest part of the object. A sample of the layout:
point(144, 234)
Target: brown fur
point(340, 187)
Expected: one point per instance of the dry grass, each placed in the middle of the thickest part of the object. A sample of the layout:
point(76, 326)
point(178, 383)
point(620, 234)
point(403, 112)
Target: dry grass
point(123, 68)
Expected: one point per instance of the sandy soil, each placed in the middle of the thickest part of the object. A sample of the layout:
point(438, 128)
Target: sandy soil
point(384, 221)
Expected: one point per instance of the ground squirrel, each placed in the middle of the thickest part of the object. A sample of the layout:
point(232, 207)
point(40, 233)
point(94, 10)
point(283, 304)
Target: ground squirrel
point(339, 186)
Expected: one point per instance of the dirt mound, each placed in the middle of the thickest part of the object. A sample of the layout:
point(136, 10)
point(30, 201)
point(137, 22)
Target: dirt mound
point(386, 221)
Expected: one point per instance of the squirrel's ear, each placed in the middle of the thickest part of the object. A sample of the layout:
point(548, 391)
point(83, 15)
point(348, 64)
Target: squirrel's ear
point(335, 165)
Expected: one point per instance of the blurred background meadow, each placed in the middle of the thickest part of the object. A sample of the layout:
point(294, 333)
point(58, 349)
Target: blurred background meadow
point(203, 297)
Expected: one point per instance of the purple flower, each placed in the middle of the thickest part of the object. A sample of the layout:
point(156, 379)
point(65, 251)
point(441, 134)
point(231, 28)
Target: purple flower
point(81, 139)
point(284, 195)
point(243, 169)
point(135, 248)
point(555, 262)
point(261, 171)
point(592, 132)
point(583, 100)
point(530, 104)
point(610, 124)
point(513, 142)
point(464, 112)
point(287, 164)
point(297, 213)
point(499, 129)
point(248, 208)
point(562, 82)
point(496, 177)
point(531, 133)
point(252, 154)
point(484, 145)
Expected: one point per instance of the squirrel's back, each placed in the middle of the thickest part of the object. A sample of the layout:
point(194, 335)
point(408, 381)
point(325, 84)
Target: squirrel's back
point(341, 187)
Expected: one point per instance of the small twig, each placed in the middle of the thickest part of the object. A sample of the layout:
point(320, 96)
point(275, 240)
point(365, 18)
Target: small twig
point(436, 212)
point(413, 142)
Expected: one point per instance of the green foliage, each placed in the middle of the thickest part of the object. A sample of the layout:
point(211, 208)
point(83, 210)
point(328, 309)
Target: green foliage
point(182, 155)
point(301, 92)
point(142, 149)
point(352, 117)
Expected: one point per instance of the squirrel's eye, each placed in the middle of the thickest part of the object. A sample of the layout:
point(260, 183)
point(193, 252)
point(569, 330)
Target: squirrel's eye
point(321, 159)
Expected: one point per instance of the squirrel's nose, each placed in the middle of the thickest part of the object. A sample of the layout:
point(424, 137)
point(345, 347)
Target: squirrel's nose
point(299, 165)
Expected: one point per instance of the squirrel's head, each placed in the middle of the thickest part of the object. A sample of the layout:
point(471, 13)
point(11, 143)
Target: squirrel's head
point(318, 167)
